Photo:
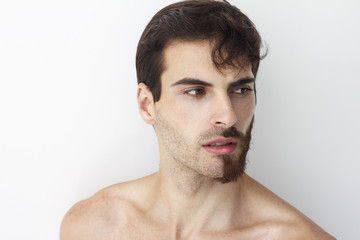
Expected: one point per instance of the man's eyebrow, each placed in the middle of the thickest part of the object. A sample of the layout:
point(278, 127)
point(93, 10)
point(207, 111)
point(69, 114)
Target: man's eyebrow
point(191, 81)
point(242, 81)
point(194, 81)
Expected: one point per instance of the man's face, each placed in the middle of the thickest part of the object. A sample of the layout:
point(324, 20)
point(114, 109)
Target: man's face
point(204, 117)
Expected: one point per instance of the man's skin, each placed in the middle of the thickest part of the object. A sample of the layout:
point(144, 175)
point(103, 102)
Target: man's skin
point(185, 199)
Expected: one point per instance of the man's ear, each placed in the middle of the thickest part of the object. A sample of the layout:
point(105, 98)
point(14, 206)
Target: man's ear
point(146, 103)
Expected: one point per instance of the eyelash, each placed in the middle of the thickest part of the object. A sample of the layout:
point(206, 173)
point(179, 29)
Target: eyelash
point(201, 90)
point(246, 89)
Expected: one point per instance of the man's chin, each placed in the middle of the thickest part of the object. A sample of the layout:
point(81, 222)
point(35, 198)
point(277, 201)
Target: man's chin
point(232, 169)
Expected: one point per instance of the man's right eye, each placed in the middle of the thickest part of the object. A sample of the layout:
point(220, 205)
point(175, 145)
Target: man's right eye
point(195, 92)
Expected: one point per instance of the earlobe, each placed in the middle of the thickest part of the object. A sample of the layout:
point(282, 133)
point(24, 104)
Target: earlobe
point(145, 103)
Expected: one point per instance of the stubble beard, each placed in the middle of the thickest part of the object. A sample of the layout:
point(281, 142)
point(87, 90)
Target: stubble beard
point(233, 165)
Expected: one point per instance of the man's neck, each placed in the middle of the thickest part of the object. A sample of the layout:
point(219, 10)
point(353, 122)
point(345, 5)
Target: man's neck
point(193, 202)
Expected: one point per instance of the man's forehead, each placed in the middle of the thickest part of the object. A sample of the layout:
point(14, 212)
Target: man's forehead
point(189, 58)
point(241, 61)
point(239, 70)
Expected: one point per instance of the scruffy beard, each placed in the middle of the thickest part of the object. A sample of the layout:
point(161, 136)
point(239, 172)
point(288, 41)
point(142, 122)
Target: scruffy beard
point(234, 168)
point(187, 153)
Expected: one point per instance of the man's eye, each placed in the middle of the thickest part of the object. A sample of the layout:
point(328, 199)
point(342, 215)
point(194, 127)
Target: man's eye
point(195, 92)
point(243, 90)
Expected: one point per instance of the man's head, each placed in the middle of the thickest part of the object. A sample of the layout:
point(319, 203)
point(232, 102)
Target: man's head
point(202, 57)
point(233, 35)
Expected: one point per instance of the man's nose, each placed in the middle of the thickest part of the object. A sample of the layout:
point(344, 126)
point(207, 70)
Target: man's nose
point(223, 114)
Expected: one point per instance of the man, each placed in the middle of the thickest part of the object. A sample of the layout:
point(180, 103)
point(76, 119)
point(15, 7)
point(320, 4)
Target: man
point(196, 65)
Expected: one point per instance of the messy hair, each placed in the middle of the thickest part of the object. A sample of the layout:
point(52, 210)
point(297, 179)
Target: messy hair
point(232, 32)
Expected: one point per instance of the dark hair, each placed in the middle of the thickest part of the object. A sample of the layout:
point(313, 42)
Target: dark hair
point(234, 34)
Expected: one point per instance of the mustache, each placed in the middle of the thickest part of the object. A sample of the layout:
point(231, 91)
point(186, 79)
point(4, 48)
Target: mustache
point(232, 132)
point(229, 132)
point(225, 132)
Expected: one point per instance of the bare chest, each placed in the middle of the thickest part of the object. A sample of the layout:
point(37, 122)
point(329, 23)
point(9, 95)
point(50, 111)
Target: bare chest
point(151, 231)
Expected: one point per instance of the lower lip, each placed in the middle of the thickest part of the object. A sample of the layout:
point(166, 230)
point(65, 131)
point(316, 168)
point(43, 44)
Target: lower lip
point(221, 150)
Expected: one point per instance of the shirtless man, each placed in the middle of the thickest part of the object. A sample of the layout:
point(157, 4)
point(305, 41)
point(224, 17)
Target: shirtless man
point(196, 64)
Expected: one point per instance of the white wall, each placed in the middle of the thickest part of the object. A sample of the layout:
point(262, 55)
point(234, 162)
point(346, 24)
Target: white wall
point(69, 124)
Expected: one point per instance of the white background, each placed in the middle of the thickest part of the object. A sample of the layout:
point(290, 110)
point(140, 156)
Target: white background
point(69, 124)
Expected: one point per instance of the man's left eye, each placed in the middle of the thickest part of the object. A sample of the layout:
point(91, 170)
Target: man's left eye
point(242, 90)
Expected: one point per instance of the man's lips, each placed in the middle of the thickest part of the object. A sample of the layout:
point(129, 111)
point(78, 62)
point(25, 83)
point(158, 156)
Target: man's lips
point(220, 146)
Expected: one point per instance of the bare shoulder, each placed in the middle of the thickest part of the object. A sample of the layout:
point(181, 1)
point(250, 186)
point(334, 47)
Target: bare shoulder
point(93, 217)
point(103, 214)
point(283, 220)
